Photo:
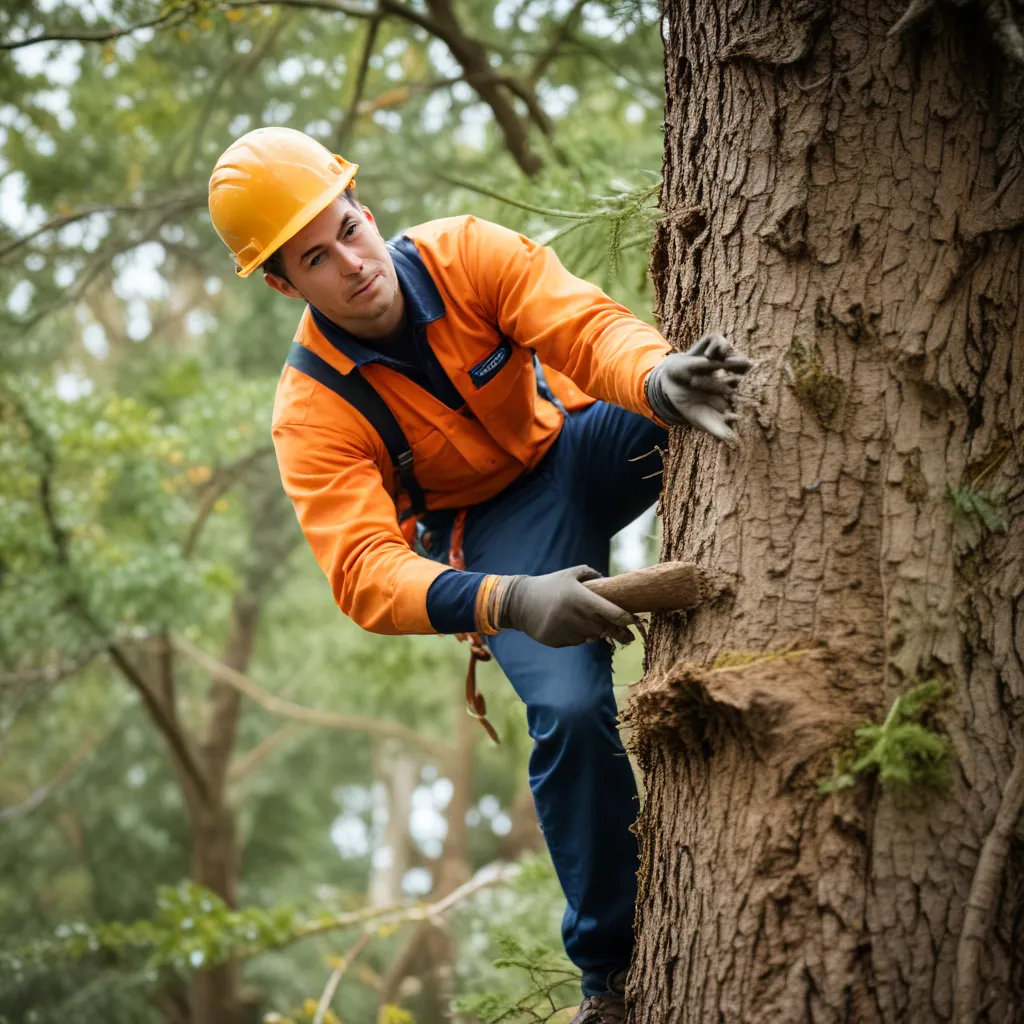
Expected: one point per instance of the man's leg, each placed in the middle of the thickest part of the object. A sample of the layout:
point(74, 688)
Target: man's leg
point(580, 776)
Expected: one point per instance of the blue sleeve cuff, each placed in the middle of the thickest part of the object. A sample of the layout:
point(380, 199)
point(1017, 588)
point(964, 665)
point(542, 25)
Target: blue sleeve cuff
point(451, 601)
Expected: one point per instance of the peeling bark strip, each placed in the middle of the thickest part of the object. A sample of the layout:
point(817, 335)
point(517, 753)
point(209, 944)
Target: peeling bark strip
point(848, 204)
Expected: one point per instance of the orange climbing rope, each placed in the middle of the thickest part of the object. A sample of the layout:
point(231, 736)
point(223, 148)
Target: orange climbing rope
point(486, 608)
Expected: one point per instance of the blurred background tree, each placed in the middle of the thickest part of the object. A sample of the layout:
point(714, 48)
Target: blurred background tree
point(179, 697)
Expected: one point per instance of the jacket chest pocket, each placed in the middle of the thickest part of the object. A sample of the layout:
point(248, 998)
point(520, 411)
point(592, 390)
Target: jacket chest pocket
point(491, 365)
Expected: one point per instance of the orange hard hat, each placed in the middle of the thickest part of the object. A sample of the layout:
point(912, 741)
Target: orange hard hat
point(267, 186)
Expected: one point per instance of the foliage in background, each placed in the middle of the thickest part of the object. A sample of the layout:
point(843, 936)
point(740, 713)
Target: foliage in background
point(136, 379)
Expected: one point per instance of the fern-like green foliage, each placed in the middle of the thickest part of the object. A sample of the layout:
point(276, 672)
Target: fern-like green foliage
point(552, 982)
point(901, 751)
point(976, 512)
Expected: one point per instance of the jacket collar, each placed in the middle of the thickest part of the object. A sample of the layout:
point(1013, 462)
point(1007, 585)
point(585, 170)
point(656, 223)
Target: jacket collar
point(423, 303)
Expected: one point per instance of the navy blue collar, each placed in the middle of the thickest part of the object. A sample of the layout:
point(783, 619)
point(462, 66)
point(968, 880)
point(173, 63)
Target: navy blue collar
point(423, 303)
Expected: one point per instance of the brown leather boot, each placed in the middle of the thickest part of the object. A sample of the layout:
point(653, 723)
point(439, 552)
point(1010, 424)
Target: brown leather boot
point(607, 1008)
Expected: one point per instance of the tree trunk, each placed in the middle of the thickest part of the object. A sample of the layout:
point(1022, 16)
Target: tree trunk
point(848, 207)
point(216, 855)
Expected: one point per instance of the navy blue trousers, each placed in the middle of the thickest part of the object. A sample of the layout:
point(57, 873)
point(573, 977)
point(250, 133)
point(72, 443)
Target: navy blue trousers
point(564, 513)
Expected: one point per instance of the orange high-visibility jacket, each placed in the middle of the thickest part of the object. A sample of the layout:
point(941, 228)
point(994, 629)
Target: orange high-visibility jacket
point(492, 298)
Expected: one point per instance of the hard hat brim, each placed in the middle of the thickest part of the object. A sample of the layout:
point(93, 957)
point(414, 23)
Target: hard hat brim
point(301, 219)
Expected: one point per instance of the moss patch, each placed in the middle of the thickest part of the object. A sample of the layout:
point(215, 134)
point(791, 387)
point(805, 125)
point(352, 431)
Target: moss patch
point(812, 382)
point(904, 751)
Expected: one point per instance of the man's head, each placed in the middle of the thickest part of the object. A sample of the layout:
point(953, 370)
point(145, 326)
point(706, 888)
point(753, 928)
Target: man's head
point(339, 263)
point(278, 196)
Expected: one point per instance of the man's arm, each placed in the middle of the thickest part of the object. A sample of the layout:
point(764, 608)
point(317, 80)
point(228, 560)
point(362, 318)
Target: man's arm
point(574, 327)
point(350, 522)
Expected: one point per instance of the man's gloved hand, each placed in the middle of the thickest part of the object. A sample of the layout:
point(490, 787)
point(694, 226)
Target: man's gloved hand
point(557, 610)
point(699, 386)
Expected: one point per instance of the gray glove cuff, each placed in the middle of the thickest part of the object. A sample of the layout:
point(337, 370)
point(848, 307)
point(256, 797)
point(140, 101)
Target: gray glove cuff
point(507, 612)
point(654, 390)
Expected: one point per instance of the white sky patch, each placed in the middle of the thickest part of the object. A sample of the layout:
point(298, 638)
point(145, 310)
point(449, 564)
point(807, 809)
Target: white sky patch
point(94, 339)
point(462, 92)
point(634, 113)
point(290, 70)
point(320, 127)
point(239, 125)
point(278, 113)
point(350, 836)
point(501, 824)
point(394, 71)
point(557, 100)
point(489, 805)
point(20, 297)
point(630, 543)
point(212, 285)
point(44, 144)
point(417, 882)
point(21, 219)
point(596, 22)
point(382, 858)
point(57, 102)
point(504, 11)
point(394, 48)
point(199, 322)
point(64, 276)
point(442, 59)
point(137, 321)
point(472, 129)
point(243, 45)
point(390, 120)
point(435, 112)
point(138, 276)
point(96, 227)
point(35, 261)
point(72, 386)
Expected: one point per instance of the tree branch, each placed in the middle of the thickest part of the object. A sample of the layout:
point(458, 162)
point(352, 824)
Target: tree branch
point(38, 795)
point(52, 673)
point(252, 759)
point(222, 480)
point(492, 874)
point(161, 716)
point(345, 128)
point(184, 199)
point(168, 18)
point(984, 893)
point(559, 36)
point(300, 713)
point(332, 983)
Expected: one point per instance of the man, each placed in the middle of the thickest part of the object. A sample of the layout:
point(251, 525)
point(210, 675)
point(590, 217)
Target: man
point(530, 402)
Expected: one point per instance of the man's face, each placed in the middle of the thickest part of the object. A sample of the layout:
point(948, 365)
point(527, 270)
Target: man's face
point(339, 263)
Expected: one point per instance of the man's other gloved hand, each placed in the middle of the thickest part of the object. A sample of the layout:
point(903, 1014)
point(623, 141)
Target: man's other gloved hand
point(557, 610)
point(699, 386)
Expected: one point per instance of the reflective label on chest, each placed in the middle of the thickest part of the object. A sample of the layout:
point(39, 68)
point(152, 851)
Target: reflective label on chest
point(487, 368)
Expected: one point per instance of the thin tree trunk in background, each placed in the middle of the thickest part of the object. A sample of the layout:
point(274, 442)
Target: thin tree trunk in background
point(429, 951)
point(398, 773)
point(848, 207)
point(216, 856)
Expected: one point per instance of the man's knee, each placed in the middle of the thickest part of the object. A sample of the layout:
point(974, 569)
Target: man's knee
point(583, 707)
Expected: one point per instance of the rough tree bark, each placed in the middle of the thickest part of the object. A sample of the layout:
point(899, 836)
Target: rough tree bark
point(848, 205)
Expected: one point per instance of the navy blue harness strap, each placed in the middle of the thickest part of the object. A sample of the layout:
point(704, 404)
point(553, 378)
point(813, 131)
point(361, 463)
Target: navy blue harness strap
point(355, 390)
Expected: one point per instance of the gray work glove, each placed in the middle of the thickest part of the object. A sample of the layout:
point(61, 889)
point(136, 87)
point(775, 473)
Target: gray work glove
point(699, 386)
point(558, 611)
